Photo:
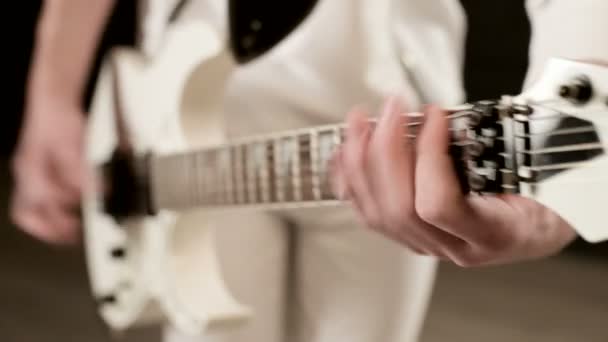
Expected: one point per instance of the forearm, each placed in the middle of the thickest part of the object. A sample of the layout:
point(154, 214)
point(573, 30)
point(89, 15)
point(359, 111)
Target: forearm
point(66, 41)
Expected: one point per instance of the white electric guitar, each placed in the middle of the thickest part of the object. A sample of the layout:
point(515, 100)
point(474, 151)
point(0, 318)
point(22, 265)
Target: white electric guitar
point(155, 140)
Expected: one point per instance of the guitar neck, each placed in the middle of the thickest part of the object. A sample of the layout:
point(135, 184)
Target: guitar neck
point(292, 168)
point(276, 170)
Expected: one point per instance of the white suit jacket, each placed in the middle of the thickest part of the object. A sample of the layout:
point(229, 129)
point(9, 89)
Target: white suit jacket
point(349, 52)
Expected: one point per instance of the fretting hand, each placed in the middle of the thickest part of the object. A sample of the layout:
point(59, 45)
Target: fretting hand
point(409, 191)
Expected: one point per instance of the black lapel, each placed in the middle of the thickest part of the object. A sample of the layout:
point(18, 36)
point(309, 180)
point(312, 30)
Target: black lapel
point(256, 26)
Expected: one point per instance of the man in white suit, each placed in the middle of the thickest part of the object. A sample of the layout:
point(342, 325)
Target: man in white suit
point(351, 284)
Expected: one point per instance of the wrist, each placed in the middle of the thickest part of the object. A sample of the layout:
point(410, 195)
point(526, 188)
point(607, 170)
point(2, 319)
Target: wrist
point(49, 83)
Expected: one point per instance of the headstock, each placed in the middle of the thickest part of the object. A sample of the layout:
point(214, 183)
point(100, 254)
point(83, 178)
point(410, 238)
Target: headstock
point(556, 126)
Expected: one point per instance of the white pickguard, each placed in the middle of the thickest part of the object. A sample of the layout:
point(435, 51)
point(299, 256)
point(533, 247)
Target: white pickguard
point(171, 103)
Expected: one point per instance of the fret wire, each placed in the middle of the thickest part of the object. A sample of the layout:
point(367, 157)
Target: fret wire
point(237, 169)
point(230, 179)
point(188, 179)
point(194, 186)
point(279, 192)
point(185, 167)
point(176, 192)
point(242, 173)
point(172, 190)
point(227, 174)
point(295, 166)
point(212, 179)
point(234, 174)
point(270, 168)
point(287, 159)
point(199, 186)
point(314, 159)
point(251, 178)
point(259, 171)
point(244, 179)
point(182, 174)
point(304, 159)
point(266, 160)
point(204, 184)
point(220, 175)
point(285, 172)
point(259, 156)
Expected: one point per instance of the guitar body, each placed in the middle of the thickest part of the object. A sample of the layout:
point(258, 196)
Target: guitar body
point(160, 268)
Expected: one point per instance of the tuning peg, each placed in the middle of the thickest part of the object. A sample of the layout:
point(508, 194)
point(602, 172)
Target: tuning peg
point(118, 253)
point(476, 181)
point(474, 118)
point(476, 148)
point(578, 90)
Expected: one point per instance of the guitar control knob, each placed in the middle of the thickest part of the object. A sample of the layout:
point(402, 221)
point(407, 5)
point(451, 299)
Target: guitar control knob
point(118, 253)
point(578, 91)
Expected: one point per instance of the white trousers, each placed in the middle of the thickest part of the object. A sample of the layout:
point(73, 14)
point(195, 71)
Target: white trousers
point(316, 275)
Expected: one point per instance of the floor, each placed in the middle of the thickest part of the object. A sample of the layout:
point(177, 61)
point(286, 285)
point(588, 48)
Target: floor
point(44, 298)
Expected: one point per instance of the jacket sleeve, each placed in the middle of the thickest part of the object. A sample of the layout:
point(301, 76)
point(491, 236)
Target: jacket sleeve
point(575, 30)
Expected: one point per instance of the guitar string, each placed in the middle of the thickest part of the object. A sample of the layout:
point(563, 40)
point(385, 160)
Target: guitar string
point(268, 186)
point(284, 182)
point(268, 192)
point(537, 151)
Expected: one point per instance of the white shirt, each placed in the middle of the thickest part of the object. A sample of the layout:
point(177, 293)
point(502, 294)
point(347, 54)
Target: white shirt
point(350, 52)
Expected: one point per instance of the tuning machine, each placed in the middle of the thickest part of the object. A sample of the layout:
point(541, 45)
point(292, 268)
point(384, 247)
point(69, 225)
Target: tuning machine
point(578, 90)
point(488, 166)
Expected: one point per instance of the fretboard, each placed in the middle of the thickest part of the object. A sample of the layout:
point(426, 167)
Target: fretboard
point(285, 169)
